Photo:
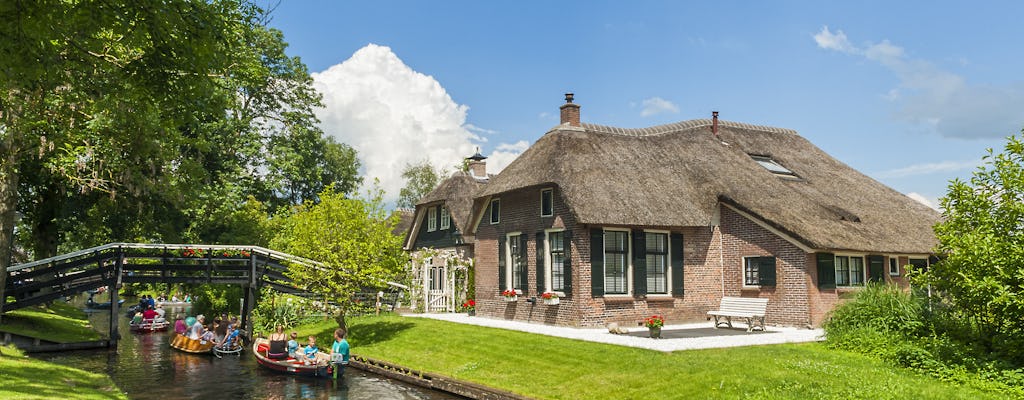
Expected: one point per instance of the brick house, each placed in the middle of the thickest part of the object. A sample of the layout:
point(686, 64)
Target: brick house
point(626, 223)
point(441, 255)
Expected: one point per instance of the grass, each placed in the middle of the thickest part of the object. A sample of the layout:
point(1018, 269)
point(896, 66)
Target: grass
point(57, 322)
point(545, 367)
point(26, 378)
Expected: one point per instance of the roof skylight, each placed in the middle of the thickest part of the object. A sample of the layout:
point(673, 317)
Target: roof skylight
point(772, 166)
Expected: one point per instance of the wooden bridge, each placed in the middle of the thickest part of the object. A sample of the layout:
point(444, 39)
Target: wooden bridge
point(114, 264)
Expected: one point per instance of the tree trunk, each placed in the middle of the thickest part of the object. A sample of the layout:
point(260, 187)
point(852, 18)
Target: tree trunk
point(8, 205)
point(340, 319)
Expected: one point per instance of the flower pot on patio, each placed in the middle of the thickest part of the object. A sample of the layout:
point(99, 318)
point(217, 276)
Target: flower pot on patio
point(472, 313)
point(655, 332)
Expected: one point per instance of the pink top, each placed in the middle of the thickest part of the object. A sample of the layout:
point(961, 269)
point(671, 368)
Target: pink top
point(180, 327)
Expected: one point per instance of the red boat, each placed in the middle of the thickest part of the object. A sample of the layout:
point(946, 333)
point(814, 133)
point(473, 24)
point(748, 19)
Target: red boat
point(148, 325)
point(289, 365)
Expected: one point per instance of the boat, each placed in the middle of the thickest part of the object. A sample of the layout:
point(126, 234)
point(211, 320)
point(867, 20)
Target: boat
point(237, 350)
point(95, 305)
point(189, 345)
point(290, 365)
point(148, 325)
point(174, 304)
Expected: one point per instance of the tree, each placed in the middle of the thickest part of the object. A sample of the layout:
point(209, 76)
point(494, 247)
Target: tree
point(981, 245)
point(352, 239)
point(420, 179)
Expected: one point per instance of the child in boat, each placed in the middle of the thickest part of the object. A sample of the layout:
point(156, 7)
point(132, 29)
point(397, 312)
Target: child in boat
point(207, 334)
point(310, 352)
point(137, 319)
point(293, 346)
point(228, 342)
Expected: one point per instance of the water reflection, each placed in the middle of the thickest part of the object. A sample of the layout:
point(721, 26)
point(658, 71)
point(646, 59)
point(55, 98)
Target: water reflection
point(145, 367)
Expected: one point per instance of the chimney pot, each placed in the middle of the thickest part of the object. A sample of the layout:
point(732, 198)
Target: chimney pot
point(570, 112)
point(714, 122)
point(477, 166)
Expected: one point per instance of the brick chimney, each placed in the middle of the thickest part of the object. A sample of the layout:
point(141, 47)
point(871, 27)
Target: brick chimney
point(570, 112)
point(477, 166)
point(714, 123)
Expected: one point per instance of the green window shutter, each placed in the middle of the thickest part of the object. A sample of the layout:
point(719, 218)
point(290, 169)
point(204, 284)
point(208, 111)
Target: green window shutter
point(826, 270)
point(766, 271)
point(524, 277)
point(676, 243)
point(876, 268)
point(639, 263)
point(597, 262)
point(502, 285)
point(540, 262)
point(567, 263)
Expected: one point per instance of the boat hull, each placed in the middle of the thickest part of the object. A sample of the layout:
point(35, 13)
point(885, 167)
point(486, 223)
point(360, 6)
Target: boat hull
point(148, 327)
point(184, 343)
point(289, 366)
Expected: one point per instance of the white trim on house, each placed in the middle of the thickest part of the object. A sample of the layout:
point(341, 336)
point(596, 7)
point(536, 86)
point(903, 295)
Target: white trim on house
point(431, 219)
point(490, 211)
point(849, 265)
point(548, 267)
point(510, 282)
point(446, 218)
point(411, 240)
point(628, 267)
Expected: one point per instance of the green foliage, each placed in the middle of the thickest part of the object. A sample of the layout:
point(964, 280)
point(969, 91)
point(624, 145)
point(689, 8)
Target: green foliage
point(57, 322)
point(421, 178)
point(351, 237)
point(216, 299)
point(882, 308)
point(27, 378)
point(286, 310)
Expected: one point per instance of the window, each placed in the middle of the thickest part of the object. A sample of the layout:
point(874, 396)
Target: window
point(849, 271)
point(546, 204)
point(616, 253)
point(495, 211)
point(556, 260)
point(446, 219)
point(437, 275)
point(894, 266)
point(657, 263)
point(773, 166)
point(516, 261)
point(920, 264)
point(759, 271)
point(431, 219)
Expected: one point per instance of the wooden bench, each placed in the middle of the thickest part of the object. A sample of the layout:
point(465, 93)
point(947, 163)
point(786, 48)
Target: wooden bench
point(750, 309)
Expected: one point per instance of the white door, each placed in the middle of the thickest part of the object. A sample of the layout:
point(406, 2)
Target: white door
point(437, 294)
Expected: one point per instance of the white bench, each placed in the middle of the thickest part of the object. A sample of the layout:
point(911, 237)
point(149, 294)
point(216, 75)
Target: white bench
point(750, 309)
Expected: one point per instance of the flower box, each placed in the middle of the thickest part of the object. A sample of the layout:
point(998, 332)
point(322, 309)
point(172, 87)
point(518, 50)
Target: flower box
point(511, 299)
point(510, 295)
point(550, 298)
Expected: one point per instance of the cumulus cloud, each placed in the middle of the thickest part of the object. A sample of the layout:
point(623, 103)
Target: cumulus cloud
point(928, 201)
point(938, 100)
point(657, 105)
point(928, 168)
point(503, 155)
point(393, 115)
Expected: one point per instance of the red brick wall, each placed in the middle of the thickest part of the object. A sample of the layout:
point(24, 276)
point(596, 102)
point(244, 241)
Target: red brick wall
point(788, 302)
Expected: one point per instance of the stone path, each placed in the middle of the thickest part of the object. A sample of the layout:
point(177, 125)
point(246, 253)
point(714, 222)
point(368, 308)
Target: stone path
point(675, 337)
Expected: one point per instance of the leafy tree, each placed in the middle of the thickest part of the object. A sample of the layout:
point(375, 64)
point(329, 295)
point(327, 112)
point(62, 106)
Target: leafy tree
point(351, 237)
point(420, 179)
point(981, 274)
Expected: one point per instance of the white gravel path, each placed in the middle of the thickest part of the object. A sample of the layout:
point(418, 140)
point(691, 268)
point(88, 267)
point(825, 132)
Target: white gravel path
point(734, 338)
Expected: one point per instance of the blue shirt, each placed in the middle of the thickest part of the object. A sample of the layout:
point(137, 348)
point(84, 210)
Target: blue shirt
point(340, 347)
point(293, 346)
point(311, 351)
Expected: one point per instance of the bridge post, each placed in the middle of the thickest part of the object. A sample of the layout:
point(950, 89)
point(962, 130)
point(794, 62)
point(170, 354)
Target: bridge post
point(250, 297)
point(115, 288)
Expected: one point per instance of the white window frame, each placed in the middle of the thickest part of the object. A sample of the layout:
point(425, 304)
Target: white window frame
point(446, 219)
point(627, 268)
point(548, 266)
point(668, 262)
point(894, 261)
point(495, 217)
point(743, 272)
point(863, 266)
point(551, 200)
point(431, 219)
point(510, 281)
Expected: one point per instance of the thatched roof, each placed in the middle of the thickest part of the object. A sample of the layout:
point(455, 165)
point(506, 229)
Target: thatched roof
point(456, 193)
point(678, 174)
point(405, 218)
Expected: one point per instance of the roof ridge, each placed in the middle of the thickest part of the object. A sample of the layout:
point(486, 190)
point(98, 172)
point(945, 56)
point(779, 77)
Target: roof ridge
point(681, 125)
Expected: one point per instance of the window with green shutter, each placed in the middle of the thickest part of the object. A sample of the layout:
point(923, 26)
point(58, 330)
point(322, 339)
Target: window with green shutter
point(759, 271)
point(826, 270)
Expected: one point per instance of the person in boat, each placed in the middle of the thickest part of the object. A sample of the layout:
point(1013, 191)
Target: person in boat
point(174, 298)
point(197, 328)
point(278, 346)
point(137, 319)
point(161, 298)
point(160, 313)
point(188, 298)
point(340, 348)
point(207, 335)
point(293, 346)
point(179, 325)
point(143, 303)
point(149, 315)
point(228, 342)
point(151, 301)
point(311, 354)
point(222, 326)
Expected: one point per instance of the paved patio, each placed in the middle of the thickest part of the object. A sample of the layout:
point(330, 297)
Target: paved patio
point(674, 337)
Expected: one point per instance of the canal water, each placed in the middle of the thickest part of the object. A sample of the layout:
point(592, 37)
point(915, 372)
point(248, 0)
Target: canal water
point(145, 367)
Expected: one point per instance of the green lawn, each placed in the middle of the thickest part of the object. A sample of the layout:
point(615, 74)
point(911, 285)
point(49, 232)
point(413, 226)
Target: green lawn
point(545, 367)
point(26, 378)
point(58, 322)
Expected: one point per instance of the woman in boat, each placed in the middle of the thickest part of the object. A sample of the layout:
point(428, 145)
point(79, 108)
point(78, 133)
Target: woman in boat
point(197, 328)
point(278, 346)
point(179, 325)
point(207, 335)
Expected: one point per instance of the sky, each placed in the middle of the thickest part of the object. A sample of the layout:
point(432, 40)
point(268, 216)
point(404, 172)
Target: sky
point(910, 93)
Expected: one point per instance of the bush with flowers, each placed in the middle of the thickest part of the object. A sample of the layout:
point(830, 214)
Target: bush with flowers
point(549, 295)
point(469, 305)
point(654, 321)
point(509, 293)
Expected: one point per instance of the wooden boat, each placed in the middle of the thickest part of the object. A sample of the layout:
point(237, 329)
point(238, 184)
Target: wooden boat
point(94, 305)
point(188, 345)
point(290, 365)
point(173, 304)
point(148, 325)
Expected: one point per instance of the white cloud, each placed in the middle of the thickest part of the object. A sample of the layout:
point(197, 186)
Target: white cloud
point(393, 115)
point(504, 154)
point(938, 100)
point(657, 105)
point(928, 201)
point(928, 168)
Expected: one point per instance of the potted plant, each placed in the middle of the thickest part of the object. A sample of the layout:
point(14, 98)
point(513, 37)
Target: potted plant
point(550, 298)
point(510, 295)
point(654, 324)
point(470, 307)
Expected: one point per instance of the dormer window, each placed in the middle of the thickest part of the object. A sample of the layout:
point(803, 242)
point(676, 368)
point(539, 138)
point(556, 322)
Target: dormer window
point(773, 166)
point(446, 219)
point(431, 219)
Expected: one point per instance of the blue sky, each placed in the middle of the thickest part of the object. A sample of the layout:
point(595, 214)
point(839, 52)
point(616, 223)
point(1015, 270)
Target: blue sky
point(910, 93)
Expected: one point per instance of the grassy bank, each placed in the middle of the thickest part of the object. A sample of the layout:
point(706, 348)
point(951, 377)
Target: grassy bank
point(27, 378)
point(546, 367)
point(57, 322)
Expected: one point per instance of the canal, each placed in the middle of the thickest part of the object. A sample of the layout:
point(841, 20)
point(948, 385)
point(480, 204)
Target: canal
point(145, 367)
